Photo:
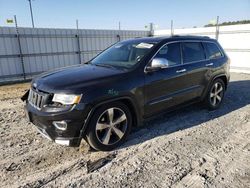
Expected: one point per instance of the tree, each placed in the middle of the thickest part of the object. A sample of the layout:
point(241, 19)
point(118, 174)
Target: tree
point(230, 23)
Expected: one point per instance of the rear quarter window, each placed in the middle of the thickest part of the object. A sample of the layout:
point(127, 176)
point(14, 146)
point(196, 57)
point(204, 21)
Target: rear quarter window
point(192, 51)
point(212, 50)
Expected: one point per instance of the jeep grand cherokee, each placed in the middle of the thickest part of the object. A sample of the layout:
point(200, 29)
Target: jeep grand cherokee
point(127, 83)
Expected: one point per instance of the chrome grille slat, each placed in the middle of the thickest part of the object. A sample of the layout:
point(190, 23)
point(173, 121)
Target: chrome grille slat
point(39, 101)
point(35, 100)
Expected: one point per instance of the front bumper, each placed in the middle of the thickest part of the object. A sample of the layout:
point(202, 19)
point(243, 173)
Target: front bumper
point(75, 118)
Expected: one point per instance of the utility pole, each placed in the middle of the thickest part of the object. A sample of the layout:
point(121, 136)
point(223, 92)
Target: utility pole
point(31, 13)
point(119, 25)
point(20, 48)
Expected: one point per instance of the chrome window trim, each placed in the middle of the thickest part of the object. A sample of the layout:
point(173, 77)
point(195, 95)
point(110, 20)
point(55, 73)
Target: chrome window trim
point(192, 62)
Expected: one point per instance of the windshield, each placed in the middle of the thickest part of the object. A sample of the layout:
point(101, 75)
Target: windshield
point(123, 55)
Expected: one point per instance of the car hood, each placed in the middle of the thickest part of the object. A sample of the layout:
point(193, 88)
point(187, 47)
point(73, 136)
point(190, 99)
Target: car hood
point(70, 79)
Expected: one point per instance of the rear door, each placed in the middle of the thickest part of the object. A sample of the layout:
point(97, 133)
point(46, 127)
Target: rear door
point(195, 62)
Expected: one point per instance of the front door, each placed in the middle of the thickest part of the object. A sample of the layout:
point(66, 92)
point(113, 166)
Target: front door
point(162, 84)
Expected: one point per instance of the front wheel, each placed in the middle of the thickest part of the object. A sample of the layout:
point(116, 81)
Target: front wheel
point(215, 94)
point(109, 126)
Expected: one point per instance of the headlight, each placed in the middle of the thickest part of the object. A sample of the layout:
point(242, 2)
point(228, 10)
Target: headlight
point(66, 99)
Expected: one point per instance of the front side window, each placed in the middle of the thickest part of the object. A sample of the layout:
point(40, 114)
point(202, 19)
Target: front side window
point(123, 54)
point(170, 52)
point(192, 51)
point(212, 50)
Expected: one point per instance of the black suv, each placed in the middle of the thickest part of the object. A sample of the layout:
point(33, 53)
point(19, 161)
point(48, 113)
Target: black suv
point(127, 83)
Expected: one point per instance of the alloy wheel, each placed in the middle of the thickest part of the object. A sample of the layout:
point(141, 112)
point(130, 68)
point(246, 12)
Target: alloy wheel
point(216, 94)
point(111, 126)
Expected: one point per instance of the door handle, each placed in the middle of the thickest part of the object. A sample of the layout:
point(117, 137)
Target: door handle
point(182, 70)
point(209, 64)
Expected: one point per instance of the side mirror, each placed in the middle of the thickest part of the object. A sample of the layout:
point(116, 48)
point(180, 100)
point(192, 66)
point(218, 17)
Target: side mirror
point(157, 64)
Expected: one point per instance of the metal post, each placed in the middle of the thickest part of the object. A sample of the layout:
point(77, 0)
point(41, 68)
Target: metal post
point(31, 13)
point(217, 28)
point(20, 48)
point(172, 29)
point(77, 24)
point(118, 35)
point(151, 29)
point(118, 38)
point(78, 42)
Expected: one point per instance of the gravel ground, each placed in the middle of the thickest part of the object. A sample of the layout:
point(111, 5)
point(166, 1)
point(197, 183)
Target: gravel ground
point(191, 147)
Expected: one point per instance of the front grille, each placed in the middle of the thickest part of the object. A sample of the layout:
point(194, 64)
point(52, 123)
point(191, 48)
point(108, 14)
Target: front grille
point(37, 99)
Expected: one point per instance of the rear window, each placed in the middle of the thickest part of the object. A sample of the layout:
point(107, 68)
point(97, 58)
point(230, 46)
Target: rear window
point(192, 51)
point(212, 50)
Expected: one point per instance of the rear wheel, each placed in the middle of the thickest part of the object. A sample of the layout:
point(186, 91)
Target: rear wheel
point(109, 126)
point(215, 94)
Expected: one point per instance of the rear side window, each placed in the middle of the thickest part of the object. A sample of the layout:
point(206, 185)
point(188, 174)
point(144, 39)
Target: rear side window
point(212, 50)
point(192, 51)
point(171, 52)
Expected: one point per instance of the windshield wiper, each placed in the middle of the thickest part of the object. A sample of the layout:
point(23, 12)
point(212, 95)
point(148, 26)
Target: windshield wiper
point(87, 63)
point(103, 65)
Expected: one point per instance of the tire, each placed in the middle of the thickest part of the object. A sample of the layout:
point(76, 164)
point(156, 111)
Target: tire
point(109, 126)
point(215, 94)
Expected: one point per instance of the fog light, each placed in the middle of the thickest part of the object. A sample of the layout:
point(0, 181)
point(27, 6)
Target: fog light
point(61, 125)
point(62, 142)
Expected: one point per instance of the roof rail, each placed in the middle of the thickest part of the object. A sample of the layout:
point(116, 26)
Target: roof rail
point(190, 36)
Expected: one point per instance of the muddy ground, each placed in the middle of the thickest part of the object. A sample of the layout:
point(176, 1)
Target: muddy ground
point(191, 147)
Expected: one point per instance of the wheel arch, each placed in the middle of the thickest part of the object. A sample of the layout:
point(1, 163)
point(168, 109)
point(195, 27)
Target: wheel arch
point(223, 77)
point(125, 100)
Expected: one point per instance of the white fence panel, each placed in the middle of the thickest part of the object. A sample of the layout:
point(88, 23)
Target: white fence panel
point(234, 39)
point(48, 49)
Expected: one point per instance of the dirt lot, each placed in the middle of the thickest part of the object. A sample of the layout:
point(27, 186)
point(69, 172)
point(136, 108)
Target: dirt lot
point(191, 147)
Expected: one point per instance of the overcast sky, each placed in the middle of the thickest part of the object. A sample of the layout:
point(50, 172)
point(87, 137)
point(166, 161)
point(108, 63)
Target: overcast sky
point(133, 14)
